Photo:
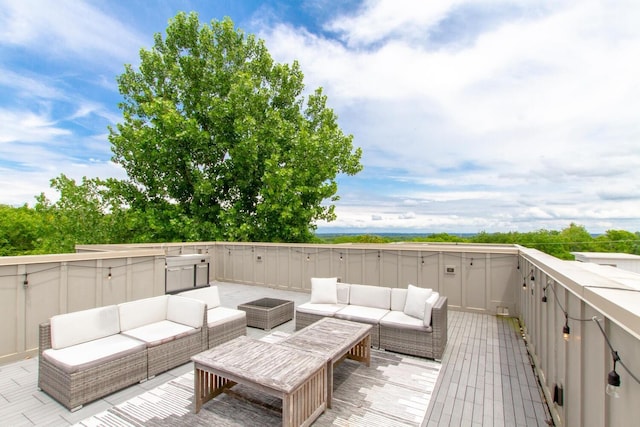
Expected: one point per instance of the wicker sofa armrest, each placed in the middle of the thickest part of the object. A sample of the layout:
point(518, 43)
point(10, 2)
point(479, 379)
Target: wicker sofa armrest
point(439, 325)
point(44, 338)
point(44, 343)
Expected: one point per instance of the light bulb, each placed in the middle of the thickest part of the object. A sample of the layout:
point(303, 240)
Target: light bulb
point(613, 380)
point(566, 332)
point(613, 391)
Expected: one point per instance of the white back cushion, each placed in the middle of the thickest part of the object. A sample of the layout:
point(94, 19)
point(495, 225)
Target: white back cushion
point(209, 295)
point(187, 311)
point(370, 296)
point(324, 290)
point(416, 299)
point(134, 314)
point(82, 326)
point(428, 306)
point(343, 292)
point(398, 299)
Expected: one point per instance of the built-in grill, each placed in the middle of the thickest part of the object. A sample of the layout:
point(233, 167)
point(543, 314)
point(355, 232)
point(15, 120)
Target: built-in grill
point(184, 272)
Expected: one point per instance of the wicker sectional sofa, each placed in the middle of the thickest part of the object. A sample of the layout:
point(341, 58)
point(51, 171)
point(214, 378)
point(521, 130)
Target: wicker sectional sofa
point(410, 321)
point(88, 354)
point(172, 327)
point(223, 324)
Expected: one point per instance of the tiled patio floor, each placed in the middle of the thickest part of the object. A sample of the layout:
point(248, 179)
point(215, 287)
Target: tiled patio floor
point(485, 379)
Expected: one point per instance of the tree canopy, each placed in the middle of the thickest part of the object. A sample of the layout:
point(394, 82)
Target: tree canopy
point(217, 134)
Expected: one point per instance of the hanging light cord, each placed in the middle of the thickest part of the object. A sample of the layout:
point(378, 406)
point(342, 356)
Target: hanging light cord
point(614, 353)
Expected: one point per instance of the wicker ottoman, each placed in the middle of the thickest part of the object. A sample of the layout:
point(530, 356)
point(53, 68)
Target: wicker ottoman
point(267, 313)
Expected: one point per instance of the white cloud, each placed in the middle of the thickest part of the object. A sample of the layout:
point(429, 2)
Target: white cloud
point(37, 180)
point(67, 27)
point(27, 126)
point(545, 103)
point(379, 20)
point(28, 86)
point(407, 215)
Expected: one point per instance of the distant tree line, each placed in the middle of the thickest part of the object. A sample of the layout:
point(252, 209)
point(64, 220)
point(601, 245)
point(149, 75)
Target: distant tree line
point(574, 238)
point(92, 213)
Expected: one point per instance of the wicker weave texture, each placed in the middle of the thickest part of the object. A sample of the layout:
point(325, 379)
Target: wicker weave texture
point(226, 331)
point(174, 353)
point(76, 389)
point(417, 343)
point(267, 317)
point(402, 340)
point(305, 319)
point(375, 335)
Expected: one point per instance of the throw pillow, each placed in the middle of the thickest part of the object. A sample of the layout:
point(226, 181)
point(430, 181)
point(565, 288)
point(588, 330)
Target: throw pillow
point(416, 298)
point(324, 290)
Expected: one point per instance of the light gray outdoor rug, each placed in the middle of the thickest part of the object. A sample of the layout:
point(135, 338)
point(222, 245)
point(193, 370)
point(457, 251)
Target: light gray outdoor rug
point(394, 391)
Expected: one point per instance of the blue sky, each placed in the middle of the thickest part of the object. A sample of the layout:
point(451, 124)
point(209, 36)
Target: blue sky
point(479, 115)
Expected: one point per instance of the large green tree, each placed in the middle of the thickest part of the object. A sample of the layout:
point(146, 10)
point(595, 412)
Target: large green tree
point(86, 213)
point(20, 230)
point(216, 132)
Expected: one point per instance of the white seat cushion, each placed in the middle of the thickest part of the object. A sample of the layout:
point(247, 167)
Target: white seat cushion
point(160, 332)
point(92, 353)
point(319, 309)
point(324, 290)
point(397, 319)
point(219, 315)
point(361, 314)
point(416, 298)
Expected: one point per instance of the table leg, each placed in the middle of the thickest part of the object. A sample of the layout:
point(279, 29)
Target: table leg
point(362, 351)
point(207, 386)
point(329, 383)
point(367, 350)
point(305, 404)
point(287, 410)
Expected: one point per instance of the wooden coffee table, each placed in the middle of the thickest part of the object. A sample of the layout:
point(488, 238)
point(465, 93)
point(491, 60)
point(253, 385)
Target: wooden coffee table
point(295, 376)
point(334, 340)
point(267, 313)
